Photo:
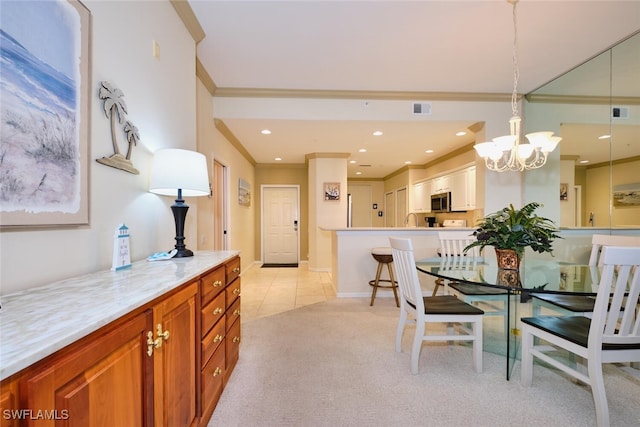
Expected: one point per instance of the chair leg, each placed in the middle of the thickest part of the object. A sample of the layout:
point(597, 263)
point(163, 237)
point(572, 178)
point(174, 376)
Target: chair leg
point(436, 286)
point(394, 285)
point(598, 391)
point(526, 360)
point(416, 347)
point(477, 345)
point(375, 285)
point(400, 330)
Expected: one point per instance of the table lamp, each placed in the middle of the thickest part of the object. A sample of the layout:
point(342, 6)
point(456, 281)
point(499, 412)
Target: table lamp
point(182, 173)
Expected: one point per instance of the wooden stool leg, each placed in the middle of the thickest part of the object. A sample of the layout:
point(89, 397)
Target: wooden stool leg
point(394, 285)
point(377, 281)
point(439, 282)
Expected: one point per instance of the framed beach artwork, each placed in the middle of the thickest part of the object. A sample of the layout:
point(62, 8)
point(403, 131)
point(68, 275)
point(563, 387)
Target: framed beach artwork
point(332, 191)
point(44, 114)
point(244, 192)
point(564, 192)
point(626, 195)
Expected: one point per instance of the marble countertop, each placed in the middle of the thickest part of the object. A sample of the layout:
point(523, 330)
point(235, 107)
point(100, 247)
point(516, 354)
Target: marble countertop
point(37, 322)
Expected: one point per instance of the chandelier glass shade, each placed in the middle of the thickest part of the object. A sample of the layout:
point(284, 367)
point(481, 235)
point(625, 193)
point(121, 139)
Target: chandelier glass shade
point(511, 152)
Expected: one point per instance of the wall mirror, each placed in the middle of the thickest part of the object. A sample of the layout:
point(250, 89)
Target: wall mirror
point(596, 109)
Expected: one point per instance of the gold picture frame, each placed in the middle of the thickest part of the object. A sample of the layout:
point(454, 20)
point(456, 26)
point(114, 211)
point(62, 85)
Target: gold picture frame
point(45, 149)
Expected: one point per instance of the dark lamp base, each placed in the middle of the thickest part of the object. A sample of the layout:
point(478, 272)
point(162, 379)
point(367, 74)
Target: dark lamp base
point(183, 253)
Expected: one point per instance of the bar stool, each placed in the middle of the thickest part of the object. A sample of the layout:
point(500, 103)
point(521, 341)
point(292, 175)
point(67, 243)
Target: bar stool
point(383, 256)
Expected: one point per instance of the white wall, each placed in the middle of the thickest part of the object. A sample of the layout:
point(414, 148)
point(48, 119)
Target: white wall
point(160, 97)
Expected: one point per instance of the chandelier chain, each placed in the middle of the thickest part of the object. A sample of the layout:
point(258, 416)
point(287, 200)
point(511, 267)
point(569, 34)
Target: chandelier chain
point(516, 70)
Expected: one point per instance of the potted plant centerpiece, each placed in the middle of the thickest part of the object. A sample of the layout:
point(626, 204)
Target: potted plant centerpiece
point(511, 230)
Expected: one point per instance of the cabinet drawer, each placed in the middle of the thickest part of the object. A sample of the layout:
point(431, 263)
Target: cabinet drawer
point(213, 312)
point(212, 377)
point(233, 292)
point(212, 284)
point(233, 313)
point(233, 269)
point(212, 340)
point(232, 349)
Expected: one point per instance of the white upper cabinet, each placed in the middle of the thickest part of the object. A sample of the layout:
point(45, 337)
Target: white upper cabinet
point(420, 197)
point(463, 189)
point(441, 184)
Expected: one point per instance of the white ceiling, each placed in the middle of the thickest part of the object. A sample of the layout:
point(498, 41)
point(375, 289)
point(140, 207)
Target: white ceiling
point(392, 46)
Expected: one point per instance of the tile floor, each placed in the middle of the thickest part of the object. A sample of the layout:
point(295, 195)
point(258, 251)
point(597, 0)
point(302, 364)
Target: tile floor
point(268, 291)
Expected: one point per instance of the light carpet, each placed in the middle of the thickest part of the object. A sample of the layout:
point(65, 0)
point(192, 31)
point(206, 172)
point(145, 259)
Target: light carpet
point(334, 364)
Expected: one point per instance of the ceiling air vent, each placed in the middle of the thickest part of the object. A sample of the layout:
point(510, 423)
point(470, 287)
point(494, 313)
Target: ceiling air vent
point(421, 108)
point(620, 112)
point(365, 166)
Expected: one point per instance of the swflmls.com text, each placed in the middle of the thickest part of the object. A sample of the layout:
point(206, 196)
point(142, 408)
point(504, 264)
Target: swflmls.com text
point(35, 414)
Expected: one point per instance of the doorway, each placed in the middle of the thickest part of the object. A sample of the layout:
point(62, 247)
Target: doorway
point(219, 187)
point(280, 224)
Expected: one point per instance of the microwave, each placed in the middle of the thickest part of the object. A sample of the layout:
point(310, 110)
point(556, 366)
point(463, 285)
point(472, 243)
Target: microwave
point(441, 202)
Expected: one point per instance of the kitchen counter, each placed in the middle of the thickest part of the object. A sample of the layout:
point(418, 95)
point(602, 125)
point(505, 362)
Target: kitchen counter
point(352, 266)
point(38, 322)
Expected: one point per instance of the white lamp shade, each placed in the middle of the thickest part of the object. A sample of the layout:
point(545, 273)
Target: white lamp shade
point(175, 169)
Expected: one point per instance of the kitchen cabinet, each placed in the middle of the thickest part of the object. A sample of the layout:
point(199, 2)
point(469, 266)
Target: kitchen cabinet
point(463, 189)
point(420, 197)
point(8, 402)
point(441, 184)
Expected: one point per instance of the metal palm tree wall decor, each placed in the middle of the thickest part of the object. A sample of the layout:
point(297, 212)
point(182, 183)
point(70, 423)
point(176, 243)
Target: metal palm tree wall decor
point(114, 105)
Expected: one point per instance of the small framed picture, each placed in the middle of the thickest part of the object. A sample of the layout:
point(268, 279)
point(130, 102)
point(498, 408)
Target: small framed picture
point(332, 191)
point(564, 192)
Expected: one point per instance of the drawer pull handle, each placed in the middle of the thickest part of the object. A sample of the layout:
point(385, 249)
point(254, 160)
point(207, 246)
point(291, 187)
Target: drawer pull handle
point(236, 291)
point(217, 372)
point(217, 283)
point(218, 338)
point(217, 310)
point(236, 339)
point(236, 312)
point(236, 270)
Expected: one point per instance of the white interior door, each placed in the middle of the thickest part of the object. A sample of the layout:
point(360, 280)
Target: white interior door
point(390, 209)
point(361, 205)
point(280, 225)
point(401, 207)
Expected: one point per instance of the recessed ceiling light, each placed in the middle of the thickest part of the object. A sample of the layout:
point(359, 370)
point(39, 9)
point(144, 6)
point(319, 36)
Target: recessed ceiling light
point(377, 133)
point(363, 150)
point(265, 132)
point(461, 133)
point(584, 161)
point(352, 161)
point(604, 137)
point(408, 162)
point(358, 173)
point(277, 159)
point(428, 151)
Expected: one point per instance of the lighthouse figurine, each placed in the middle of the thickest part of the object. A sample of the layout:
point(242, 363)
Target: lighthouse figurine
point(121, 249)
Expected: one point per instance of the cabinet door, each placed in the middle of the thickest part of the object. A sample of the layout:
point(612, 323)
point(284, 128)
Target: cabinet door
point(175, 360)
point(416, 197)
point(458, 182)
point(471, 187)
point(8, 404)
point(104, 381)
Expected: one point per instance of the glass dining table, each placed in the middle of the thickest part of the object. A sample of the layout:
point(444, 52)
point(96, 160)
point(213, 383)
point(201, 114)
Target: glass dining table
point(535, 276)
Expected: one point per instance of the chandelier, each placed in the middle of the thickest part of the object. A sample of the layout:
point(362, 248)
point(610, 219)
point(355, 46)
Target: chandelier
point(510, 152)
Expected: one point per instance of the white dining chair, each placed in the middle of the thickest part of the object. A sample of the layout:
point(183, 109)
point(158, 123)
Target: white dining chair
point(421, 310)
point(453, 259)
point(611, 335)
point(581, 305)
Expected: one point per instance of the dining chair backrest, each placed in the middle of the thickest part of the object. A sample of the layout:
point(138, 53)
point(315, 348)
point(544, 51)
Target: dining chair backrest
point(452, 244)
point(406, 273)
point(599, 241)
point(615, 318)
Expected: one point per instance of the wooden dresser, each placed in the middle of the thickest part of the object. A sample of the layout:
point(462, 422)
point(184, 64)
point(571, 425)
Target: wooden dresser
point(164, 362)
